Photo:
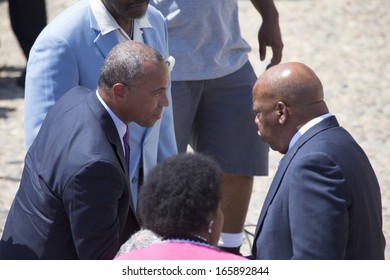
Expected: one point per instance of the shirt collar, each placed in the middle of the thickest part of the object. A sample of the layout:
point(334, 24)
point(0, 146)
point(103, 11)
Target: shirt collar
point(120, 126)
point(108, 24)
point(306, 127)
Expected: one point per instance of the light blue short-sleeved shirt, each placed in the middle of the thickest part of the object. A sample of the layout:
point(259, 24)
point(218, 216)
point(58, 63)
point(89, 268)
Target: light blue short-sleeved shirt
point(204, 38)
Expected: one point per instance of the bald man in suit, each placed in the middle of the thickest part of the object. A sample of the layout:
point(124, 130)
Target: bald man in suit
point(324, 201)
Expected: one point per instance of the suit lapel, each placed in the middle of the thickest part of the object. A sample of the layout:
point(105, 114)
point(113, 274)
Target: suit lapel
point(103, 43)
point(283, 164)
point(282, 168)
point(109, 128)
point(150, 36)
point(112, 135)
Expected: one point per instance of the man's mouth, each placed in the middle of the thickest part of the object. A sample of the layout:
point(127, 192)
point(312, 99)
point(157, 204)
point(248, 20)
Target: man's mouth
point(137, 4)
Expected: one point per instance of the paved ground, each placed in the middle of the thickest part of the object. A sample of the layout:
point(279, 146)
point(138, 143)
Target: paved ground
point(346, 42)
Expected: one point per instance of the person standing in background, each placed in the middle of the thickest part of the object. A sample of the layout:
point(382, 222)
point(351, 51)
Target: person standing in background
point(28, 18)
point(212, 95)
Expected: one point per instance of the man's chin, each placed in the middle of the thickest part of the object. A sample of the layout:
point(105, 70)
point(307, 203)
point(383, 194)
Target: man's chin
point(147, 124)
point(138, 12)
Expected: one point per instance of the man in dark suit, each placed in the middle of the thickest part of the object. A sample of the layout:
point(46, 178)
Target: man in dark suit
point(324, 201)
point(74, 200)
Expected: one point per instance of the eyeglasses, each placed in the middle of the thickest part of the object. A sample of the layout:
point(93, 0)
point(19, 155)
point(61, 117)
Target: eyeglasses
point(170, 62)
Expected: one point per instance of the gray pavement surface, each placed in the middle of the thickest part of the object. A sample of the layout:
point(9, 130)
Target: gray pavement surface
point(346, 42)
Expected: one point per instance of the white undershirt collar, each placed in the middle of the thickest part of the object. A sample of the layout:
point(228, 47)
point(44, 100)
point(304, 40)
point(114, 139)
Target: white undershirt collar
point(108, 24)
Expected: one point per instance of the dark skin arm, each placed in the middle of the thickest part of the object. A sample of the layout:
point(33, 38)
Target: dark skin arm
point(269, 32)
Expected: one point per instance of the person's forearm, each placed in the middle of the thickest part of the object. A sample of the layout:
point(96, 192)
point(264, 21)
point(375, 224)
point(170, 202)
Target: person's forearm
point(266, 8)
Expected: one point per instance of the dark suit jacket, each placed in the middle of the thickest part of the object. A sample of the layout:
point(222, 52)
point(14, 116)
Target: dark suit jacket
point(74, 199)
point(324, 201)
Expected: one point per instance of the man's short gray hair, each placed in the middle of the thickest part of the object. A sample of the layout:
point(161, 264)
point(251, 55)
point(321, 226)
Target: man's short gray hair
point(125, 64)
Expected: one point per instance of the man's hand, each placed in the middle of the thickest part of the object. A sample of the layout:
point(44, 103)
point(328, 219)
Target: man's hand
point(270, 36)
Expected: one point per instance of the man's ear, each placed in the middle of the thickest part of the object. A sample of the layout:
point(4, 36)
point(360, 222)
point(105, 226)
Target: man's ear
point(119, 90)
point(282, 112)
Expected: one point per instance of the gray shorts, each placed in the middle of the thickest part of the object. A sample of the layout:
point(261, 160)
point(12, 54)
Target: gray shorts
point(215, 117)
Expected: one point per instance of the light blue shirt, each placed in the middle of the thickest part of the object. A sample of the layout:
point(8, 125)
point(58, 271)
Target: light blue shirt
point(204, 38)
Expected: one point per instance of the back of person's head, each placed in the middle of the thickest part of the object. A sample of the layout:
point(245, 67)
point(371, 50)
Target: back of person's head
point(179, 195)
point(125, 64)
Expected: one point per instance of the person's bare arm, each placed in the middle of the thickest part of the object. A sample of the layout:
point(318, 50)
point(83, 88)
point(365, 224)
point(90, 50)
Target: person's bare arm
point(269, 32)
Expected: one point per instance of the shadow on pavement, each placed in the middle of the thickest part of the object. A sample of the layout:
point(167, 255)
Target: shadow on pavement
point(8, 83)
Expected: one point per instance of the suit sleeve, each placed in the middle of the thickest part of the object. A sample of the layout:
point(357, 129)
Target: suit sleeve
point(318, 208)
point(92, 201)
point(51, 71)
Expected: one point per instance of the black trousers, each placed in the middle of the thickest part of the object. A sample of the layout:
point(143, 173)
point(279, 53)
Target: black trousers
point(28, 18)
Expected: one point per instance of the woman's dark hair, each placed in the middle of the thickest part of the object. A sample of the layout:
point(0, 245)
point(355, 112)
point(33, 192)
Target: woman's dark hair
point(179, 194)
